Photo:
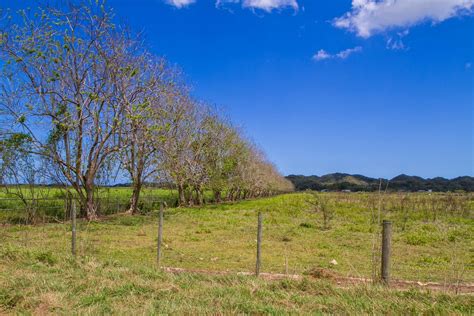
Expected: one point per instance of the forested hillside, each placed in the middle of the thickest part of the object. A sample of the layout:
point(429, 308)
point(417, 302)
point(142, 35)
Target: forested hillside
point(356, 182)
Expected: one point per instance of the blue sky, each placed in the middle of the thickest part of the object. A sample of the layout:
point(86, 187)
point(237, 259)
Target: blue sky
point(371, 87)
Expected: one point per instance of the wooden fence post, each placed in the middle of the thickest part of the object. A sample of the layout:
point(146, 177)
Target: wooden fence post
point(73, 228)
point(259, 244)
point(160, 235)
point(386, 249)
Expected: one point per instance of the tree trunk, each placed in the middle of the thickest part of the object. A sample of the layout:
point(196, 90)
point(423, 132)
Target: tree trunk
point(188, 196)
point(235, 195)
point(137, 186)
point(230, 194)
point(181, 197)
point(199, 196)
point(238, 196)
point(217, 196)
point(91, 207)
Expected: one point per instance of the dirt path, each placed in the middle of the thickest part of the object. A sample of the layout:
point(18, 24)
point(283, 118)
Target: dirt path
point(343, 282)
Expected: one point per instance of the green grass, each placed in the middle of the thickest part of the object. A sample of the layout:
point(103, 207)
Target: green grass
point(91, 286)
point(51, 202)
point(115, 271)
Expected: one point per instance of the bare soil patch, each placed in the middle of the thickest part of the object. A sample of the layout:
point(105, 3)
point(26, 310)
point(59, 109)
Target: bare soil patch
point(341, 281)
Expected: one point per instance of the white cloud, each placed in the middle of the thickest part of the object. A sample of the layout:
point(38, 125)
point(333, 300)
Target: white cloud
point(347, 52)
point(222, 2)
point(266, 5)
point(180, 3)
point(368, 17)
point(323, 55)
point(269, 5)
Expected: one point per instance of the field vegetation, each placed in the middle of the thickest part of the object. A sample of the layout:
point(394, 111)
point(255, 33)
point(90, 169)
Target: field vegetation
point(53, 204)
point(432, 242)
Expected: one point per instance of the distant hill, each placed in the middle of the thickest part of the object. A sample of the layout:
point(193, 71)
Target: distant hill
point(357, 182)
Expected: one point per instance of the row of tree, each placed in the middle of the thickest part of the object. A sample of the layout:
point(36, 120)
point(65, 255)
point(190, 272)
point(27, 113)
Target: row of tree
point(83, 100)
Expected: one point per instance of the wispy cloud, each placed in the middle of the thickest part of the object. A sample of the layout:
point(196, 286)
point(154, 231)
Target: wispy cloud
point(347, 52)
point(265, 5)
point(180, 3)
point(270, 5)
point(369, 17)
point(323, 55)
point(223, 2)
point(396, 42)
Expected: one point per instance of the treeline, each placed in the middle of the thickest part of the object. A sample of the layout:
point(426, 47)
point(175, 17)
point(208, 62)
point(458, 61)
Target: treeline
point(83, 101)
point(343, 181)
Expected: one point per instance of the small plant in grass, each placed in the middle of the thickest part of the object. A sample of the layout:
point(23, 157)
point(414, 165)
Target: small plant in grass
point(404, 209)
point(320, 203)
point(46, 258)
point(306, 225)
point(10, 253)
point(9, 299)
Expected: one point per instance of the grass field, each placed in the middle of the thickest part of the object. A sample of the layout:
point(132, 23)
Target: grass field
point(50, 203)
point(116, 271)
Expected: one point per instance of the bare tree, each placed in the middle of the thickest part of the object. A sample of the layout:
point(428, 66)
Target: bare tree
point(143, 96)
point(87, 95)
point(21, 173)
point(220, 160)
point(320, 203)
point(180, 121)
point(60, 85)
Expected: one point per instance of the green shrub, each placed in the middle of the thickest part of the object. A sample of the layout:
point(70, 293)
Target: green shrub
point(306, 225)
point(129, 220)
point(420, 238)
point(46, 258)
point(9, 298)
point(432, 260)
point(458, 235)
point(10, 253)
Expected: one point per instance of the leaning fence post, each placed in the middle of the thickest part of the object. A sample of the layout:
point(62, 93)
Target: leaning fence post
point(73, 228)
point(259, 244)
point(386, 248)
point(160, 235)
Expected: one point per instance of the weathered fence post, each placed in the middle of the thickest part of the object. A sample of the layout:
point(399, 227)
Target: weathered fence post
point(259, 244)
point(160, 235)
point(386, 248)
point(73, 228)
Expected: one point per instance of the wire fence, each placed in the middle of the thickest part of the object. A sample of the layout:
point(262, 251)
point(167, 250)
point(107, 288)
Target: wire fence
point(291, 244)
point(15, 210)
